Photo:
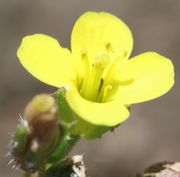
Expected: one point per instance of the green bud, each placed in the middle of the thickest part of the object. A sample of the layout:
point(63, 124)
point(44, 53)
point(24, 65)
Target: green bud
point(37, 135)
point(42, 116)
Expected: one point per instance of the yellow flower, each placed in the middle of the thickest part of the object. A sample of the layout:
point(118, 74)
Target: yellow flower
point(101, 81)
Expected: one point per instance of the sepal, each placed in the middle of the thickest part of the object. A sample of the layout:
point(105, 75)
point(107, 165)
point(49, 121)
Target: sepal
point(75, 124)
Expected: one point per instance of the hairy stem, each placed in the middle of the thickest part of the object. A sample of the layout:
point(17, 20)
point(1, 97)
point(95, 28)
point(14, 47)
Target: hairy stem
point(64, 147)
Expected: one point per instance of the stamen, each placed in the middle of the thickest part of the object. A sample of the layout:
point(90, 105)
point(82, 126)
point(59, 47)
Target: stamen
point(124, 55)
point(84, 54)
point(108, 47)
point(101, 84)
point(95, 82)
point(105, 93)
point(86, 66)
point(92, 82)
point(85, 60)
point(113, 67)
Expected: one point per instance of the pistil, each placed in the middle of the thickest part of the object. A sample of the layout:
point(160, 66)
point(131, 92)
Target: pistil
point(93, 77)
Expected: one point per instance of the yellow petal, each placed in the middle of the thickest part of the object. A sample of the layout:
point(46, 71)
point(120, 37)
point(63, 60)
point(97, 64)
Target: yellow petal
point(145, 77)
point(46, 60)
point(95, 32)
point(106, 114)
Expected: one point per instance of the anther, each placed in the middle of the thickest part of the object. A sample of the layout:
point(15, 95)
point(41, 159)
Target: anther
point(108, 47)
point(106, 92)
point(84, 54)
point(124, 54)
point(85, 59)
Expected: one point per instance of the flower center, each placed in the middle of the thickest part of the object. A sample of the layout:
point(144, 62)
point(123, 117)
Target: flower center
point(98, 74)
point(94, 73)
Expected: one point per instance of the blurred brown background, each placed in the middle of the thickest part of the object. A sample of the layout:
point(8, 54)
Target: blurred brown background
point(151, 134)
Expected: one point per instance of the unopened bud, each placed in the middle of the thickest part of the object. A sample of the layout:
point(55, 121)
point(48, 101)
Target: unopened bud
point(37, 135)
point(41, 114)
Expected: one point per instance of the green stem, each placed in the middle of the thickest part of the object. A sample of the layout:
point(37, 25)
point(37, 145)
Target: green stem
point(64, 147)
point(67, 140)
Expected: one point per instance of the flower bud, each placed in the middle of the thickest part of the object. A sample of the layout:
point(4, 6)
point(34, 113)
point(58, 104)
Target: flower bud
point(42, 116)
point(37, 135)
